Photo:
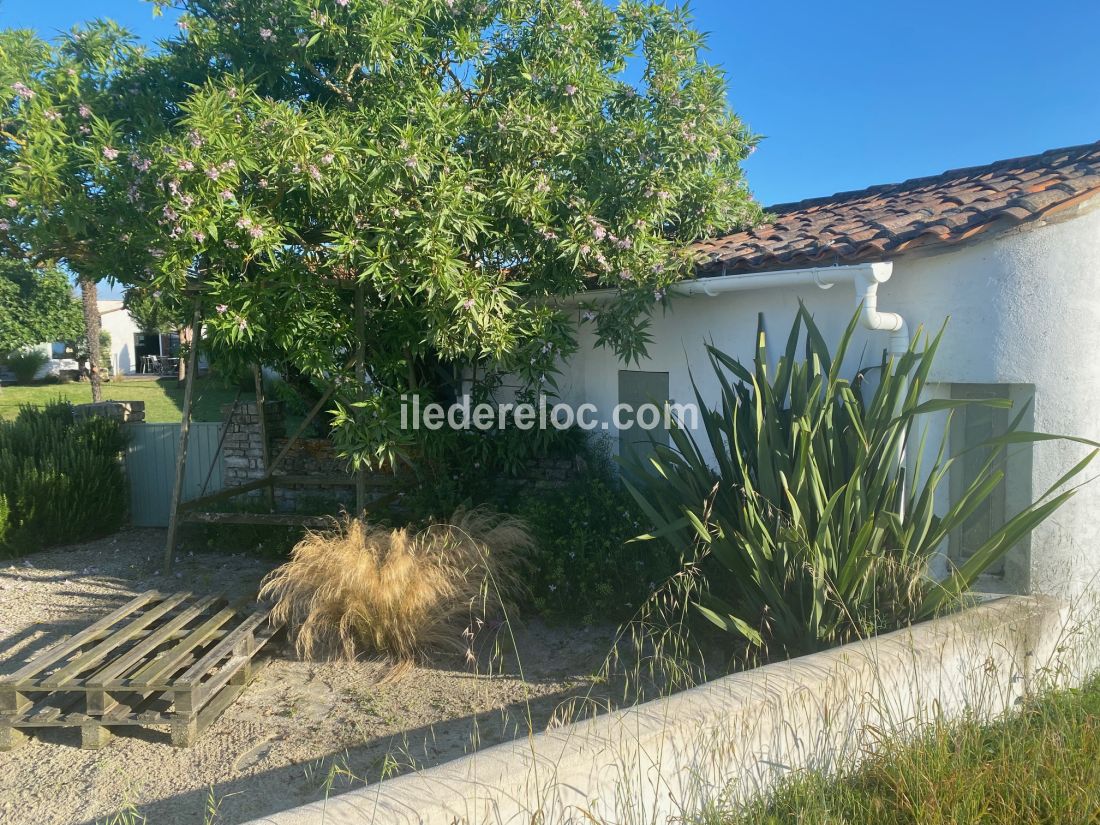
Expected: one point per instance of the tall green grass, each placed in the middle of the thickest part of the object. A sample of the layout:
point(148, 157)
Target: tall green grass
point(1041, 765)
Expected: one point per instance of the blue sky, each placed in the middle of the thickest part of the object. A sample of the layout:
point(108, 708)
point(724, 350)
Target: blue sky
point(847, 93)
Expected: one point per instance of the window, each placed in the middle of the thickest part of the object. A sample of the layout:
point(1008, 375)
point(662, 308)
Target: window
point(970, 427)
point(637, 388)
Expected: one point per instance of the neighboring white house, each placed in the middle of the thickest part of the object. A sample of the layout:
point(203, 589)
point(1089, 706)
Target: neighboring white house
point(130, 345)
point(1010, 252)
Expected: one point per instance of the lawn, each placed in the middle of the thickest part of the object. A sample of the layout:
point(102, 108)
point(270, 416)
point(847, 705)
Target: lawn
point(163, 398)
point(1041, 765)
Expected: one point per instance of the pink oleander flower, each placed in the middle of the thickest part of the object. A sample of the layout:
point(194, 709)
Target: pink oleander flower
point(342, 3)
point(213, 173)
point(468, 303)
point(183, 24)
point(267, 34)
point(186, 166)
point(242, 324)
point(22, 90)
point(52, 115)
point(256, 232)
point(84, 110)
point(570, 90)
point(226, 195)
point(110, 153)
point(187, 201)
point(4, 226)
point(244, 222)
point(626, 275)
point(262, 183)
point(199, 237)
point(314, 172)
point(713, 155)
point(410, 161)
point(553, 129)
point(11, 203)
point(328, 158)
point(599, 232)
point(221, 308)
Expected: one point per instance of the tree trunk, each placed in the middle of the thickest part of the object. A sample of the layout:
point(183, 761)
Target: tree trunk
point(89, 297)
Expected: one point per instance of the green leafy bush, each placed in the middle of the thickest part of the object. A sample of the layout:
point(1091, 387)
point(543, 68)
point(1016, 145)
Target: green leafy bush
point(25, 364)
point(808, 531)
point(583, 568)
point(62, 479)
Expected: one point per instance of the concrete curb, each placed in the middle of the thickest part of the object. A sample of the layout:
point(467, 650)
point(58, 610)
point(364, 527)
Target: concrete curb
point(734, 736)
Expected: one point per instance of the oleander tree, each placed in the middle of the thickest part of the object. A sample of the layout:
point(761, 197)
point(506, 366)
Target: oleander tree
point(464, 166)
point(468, 163)
point(68, 109)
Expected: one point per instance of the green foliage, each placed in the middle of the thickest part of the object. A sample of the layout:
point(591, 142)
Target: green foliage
point(70, 110)
point(810, 533)
point(583, 567)
point(5, 518)
point(62, 479)
point(36, 306)
point(1035, 766)
point(25, 364)
point(465, 163)
point(466, 468)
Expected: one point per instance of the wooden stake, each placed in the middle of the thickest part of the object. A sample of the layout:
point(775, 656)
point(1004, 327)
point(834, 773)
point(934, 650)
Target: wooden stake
point(360, 380)
point(185, 429)
point(259, 378)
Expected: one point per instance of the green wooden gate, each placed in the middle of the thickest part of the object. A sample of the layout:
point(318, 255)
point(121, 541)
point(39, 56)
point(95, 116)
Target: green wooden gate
point(151, 468)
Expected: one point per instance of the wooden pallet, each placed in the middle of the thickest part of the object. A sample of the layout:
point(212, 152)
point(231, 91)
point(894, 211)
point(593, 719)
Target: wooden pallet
point(160, 660)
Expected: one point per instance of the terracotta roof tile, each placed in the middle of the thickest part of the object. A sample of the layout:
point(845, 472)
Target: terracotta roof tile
point(888, 219)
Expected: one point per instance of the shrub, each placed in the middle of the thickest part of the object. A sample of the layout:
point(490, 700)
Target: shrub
point(5, 511)
point(583, 566)
point(26, 364)
point(365, 589)
point(807, 530)
point(62, 479)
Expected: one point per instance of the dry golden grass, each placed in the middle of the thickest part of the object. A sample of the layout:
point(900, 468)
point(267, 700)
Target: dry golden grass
point(360, 589)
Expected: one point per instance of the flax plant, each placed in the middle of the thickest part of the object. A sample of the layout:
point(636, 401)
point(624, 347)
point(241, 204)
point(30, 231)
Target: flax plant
point(809, 529)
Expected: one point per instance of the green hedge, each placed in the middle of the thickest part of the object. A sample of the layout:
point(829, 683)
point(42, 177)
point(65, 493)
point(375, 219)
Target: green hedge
point(61, 479)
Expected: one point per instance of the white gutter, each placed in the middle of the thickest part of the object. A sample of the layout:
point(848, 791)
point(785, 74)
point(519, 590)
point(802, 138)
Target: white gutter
point(865, 278)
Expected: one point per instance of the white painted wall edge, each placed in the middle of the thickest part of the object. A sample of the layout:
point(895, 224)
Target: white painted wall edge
point(664, 759)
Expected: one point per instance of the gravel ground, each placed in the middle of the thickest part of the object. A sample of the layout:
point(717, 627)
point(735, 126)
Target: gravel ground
point(300, 730)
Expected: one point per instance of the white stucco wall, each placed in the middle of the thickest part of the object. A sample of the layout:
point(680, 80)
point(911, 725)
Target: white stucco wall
point(1024, 309)
point(122, 328)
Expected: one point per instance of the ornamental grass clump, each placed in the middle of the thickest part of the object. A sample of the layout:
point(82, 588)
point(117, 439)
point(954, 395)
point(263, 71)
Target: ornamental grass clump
point(365, 590)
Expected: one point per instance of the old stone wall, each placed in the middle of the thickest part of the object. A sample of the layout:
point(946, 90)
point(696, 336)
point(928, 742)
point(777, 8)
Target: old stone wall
point(130, 412)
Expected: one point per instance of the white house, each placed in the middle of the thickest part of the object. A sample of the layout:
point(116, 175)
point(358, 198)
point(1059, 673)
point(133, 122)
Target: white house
point(1010, 252)
point(131, 346)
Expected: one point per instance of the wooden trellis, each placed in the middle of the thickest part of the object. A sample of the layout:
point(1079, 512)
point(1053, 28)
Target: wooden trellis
point(196, 509)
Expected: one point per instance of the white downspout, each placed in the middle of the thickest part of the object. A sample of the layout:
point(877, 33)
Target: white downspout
point(866, 284)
